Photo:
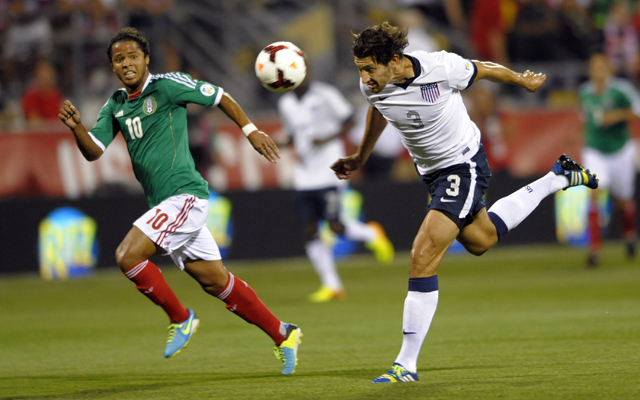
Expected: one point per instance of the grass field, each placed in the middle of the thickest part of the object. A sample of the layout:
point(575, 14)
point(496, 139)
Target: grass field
point(516, 323)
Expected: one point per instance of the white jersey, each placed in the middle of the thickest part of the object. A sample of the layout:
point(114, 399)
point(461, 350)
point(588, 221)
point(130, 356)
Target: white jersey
point(319, 114)
point(428, 111)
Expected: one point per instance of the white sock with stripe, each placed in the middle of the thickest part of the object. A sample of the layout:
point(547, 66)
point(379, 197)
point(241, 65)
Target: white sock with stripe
point(321, 257)
point(419, 309)
point(514, 208)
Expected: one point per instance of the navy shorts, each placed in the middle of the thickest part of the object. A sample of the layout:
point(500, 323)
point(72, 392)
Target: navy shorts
point(315, 205)
point(458, 191)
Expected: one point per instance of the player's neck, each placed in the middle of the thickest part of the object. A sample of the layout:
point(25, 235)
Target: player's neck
point(135, 91)
point(404, 71)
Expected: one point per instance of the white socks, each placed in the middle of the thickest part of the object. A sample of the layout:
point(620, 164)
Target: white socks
point(321, 257)
point(514, 208)
point(419, 309)
point(359, 231)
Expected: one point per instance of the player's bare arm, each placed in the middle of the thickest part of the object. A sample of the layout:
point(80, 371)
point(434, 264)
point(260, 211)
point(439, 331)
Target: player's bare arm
point(497, 73)
point(70, 116)
point(375, 125)
point(258, 139)
point(613, 117)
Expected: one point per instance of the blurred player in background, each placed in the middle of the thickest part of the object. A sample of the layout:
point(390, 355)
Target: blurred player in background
point(150, 111)
point(316, 117)
point(608, 104)
point(419, 94)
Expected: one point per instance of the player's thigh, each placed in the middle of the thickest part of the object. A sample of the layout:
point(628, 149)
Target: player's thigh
point(434, 237)
point(480, 235)
point(308, 206)
point(623, 176)
point(135, 247)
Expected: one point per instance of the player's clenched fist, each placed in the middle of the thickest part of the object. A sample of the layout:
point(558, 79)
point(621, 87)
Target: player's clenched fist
point(69, 115)
point(533, 81)
point(344, 166)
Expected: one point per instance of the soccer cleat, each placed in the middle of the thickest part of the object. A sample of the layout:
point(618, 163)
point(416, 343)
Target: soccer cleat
point(397, 373)
point(381, 246)
point(593, 260)
point(575, 173)
point(179, 335)
point(287, 351)
point(630, 247)
point(325, 294)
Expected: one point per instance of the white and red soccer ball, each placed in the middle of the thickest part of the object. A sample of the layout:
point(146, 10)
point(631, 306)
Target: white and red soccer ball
point(281, 67)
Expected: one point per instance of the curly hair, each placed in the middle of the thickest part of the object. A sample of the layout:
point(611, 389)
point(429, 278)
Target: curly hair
point(380, 42)
point(129, 34)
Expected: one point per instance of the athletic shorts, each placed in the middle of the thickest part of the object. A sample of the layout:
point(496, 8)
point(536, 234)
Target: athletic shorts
point(178, 225)
point(315, 205)
point(615, 171)
point(458, 191)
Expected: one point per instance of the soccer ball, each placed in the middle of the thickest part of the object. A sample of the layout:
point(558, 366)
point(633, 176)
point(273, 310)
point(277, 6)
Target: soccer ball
point(281, 67)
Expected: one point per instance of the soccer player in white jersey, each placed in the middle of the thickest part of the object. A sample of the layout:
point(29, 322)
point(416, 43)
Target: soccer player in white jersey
point(150, 111)
point(419, 94)
point(315, 117)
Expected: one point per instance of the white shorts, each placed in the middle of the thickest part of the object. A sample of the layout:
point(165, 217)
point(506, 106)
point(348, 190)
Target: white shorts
point(178, 225)
point(615, 171)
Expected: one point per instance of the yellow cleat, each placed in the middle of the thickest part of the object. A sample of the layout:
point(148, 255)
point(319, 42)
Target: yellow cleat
point(325, 294)
point(381, 246)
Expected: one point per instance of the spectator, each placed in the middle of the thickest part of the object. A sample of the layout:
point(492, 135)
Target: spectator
point(621, 41)
point(419, 37)
point(489, 23)
point(42, 100)
point(28, 37)
point(535, 33)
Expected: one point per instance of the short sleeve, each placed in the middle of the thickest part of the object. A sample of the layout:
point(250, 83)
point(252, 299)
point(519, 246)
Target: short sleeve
point(630, 95)
point(461, 72)
point(106, 128)
point(182, 89)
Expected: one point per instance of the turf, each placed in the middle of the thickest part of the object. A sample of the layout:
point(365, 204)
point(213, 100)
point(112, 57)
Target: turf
point(516, 323)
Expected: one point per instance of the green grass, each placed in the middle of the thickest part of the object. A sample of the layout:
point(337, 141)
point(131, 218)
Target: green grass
point(516, 323)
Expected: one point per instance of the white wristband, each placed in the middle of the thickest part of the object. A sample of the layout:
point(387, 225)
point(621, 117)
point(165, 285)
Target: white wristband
point(247, 129)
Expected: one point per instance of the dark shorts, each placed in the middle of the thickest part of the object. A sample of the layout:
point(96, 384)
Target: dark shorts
point(458, 191)
point(315, 205)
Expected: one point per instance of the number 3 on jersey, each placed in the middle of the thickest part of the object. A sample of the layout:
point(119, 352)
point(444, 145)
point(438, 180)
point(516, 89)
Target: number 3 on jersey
point(134, 125)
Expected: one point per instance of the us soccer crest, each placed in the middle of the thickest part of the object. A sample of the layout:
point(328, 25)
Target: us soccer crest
point(149, 106)
point(430, 92)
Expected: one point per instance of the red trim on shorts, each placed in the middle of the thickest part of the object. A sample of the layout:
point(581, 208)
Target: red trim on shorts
point(180, 220)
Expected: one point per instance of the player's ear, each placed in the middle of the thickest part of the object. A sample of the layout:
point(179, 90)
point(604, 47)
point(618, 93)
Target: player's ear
point(146, 59)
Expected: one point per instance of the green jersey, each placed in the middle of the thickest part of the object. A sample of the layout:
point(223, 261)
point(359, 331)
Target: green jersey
point(154, 125)
point(618, 94)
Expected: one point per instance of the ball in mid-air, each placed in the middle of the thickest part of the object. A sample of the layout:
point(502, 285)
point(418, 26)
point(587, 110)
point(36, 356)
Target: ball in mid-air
point(281, 67)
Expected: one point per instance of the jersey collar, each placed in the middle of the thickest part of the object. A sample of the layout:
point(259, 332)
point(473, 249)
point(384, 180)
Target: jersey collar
point(416, 71)
point(138, 94)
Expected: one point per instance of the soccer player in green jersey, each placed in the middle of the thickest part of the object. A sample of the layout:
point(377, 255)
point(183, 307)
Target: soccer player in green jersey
point(150, 111)
point(608, 104)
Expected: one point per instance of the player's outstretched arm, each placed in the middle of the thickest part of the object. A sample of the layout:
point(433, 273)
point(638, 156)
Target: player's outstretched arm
point(258, 139)
point(70, 116)
point(375, 125)
point(500, 74)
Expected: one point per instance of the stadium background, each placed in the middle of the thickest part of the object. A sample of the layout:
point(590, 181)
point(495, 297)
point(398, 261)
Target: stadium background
point(41, 169)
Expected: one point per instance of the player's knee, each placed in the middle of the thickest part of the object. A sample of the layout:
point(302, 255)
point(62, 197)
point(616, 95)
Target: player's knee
point(124, 258)
point(477, 249)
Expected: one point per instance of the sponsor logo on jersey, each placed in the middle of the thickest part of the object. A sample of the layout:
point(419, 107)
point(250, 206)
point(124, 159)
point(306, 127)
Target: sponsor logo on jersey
point(120, 113)
point(149, 106)
point(430, 92)
point(467, 66)
point(207, 90)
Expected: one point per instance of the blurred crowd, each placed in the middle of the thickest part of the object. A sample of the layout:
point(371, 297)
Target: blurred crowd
point(48, 46)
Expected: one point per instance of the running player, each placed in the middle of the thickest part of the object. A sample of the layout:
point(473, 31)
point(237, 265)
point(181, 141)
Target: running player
point(608, 104)
point(150, 111)
point(317, 146)
point(419, 94)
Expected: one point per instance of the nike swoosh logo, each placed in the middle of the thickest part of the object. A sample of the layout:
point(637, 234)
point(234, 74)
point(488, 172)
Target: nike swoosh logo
point(383, 98)
point(442, 199)
point(187, 329)
point(408, 333)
